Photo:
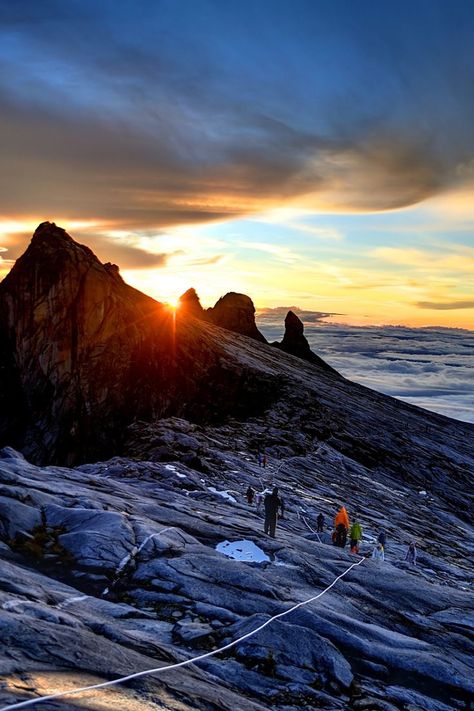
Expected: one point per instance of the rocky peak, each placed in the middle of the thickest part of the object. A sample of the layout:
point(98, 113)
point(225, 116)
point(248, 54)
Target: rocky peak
point(236, 312)
point(295, 342)
point(82, 355)
point(190, 305)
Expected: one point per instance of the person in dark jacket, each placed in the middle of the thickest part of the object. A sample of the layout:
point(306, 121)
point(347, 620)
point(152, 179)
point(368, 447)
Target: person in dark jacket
point(250, 493)
point(272, 503)
point(320, 523)
point(382, 538)
point(341, 536)
point(411, 553)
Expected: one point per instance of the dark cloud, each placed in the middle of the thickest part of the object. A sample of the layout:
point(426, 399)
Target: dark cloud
point(445, 305)
point(155, 114)
point(275, 317)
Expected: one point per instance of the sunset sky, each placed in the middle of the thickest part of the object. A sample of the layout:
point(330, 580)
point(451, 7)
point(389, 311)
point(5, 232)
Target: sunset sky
point(313, 153)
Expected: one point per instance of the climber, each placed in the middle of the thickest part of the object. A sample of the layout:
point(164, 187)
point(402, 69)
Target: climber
point(377, 553)
point(250, 493)
point(355, 535)
point(382, 537)
point(320, 523)
point(272, 503)
point(342, 525)
point(411, 553)
point(264, 459)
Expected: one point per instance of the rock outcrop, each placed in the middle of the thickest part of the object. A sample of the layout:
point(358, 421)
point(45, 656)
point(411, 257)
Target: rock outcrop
point(295, 343)
point(190, 305)
point(236, 312)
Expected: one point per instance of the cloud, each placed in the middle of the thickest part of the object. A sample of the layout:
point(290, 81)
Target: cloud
point(429, 367)
point(207, 261)
point(445, 305)
point(125, 128)
point(280, 252)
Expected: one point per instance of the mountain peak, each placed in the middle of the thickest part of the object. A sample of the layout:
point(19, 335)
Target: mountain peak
point(236, 312)
point(190, 304)
point(295, 342)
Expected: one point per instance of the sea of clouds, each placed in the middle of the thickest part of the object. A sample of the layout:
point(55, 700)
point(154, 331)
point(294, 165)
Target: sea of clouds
point(429, 367)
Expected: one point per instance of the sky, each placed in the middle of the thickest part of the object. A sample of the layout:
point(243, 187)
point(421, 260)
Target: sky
point(311, 152)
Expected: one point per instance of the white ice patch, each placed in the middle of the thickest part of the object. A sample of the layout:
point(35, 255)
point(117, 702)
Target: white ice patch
point(172, 468)
point(224, 494)
point(422, 492)
point(245, 551)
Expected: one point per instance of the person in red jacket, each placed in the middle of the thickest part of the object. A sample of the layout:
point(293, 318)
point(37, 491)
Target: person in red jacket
point(342, 525)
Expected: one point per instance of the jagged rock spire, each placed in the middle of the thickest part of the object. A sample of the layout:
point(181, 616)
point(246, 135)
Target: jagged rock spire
point(295, 342)
point(189, 304)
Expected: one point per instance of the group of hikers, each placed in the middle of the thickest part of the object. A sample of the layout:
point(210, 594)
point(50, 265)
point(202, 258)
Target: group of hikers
point(343, 530)
point(273, 503)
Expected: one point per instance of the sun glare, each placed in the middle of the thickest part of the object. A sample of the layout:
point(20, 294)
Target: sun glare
point(173, 304)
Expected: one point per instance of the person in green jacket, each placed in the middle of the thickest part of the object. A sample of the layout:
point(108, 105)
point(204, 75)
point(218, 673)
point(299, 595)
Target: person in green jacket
point(355, 535)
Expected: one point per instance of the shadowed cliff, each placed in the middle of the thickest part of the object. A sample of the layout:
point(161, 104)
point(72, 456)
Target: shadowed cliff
point(83, 354)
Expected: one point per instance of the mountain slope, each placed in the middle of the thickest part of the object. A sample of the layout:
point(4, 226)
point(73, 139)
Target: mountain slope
point(115, 567)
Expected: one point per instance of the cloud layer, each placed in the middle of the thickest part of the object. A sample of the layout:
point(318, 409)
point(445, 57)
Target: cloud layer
point(429, 367)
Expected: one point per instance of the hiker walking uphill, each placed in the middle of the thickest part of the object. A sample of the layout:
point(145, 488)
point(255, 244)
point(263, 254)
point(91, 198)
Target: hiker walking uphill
point(272, 503)
point(411, 553)
point(250, 493)
point(382, 538)
point(355, 536)
point(320, 523)
point(342, 525)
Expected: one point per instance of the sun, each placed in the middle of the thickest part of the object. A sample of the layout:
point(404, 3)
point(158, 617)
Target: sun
point(173, 304)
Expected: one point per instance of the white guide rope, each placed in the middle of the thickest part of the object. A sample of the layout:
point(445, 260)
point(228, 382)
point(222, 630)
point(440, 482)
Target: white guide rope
point(157, 670)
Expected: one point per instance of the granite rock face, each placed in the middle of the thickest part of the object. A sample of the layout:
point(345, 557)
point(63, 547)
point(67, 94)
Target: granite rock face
point(236, 312)
point(114, 567)
point(83, 354)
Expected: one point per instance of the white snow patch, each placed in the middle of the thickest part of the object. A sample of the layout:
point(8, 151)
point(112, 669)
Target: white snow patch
point(422, 492)
point(282, 564)
point(172, 468)
point(224, 494)
point(245, 551)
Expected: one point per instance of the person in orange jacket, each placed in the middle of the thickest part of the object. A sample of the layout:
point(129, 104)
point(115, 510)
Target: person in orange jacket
point(342, 525)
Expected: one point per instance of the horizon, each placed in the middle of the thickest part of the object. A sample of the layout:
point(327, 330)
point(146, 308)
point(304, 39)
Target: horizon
point(311, 154)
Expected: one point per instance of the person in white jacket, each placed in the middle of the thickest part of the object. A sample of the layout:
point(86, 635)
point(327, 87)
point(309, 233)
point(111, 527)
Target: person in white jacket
point(377, 553)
